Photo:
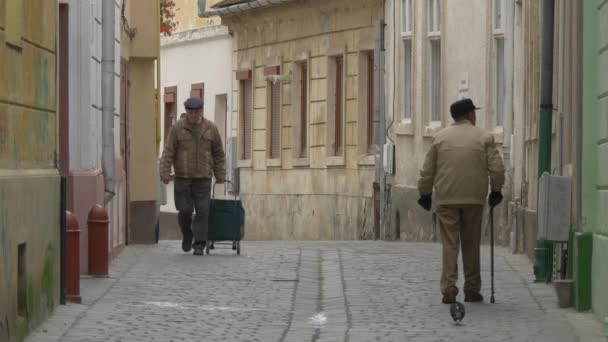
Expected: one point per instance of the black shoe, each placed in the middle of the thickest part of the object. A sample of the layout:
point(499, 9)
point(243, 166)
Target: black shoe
point(186, 240)
point(449, 295)
point(199, 248)
point(473, 297)
point(448, 300)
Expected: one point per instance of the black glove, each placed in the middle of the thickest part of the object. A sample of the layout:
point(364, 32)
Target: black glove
point(495, 198)
point(426, 201)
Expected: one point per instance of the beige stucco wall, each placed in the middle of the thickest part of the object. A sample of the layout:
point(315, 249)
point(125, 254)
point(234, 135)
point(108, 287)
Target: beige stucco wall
point(29, 181)
point(187, 17)
point(141, 52)
point(317, 201)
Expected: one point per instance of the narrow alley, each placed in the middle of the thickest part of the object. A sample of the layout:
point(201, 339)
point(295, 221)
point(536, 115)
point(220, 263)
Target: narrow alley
point(303, 291)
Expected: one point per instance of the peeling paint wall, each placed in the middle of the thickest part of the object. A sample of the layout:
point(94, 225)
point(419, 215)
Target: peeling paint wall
point(29, 182)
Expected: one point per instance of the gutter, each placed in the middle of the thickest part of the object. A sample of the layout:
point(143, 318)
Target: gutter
point(107, 97)
point(238, 8)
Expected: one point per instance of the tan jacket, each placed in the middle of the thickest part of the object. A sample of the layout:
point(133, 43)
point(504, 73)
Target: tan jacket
point(461, 160)
point(194, 151)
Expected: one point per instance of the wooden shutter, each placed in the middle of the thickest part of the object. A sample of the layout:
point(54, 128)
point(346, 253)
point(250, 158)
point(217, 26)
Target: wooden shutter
point(303, 111)
point(275, 120)
point(338, 110)
point(370, 101)
point(247, 112)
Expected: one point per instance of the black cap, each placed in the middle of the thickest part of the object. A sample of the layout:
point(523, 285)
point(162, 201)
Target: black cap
point(193, 103)
point(462, 107)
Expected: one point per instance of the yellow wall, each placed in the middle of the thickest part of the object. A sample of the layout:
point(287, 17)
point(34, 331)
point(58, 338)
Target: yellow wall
point(187, 15)
point(143, 178)
point(29, 182)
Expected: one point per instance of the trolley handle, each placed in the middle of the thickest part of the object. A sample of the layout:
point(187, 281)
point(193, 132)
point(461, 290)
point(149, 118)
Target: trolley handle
point(213, 189)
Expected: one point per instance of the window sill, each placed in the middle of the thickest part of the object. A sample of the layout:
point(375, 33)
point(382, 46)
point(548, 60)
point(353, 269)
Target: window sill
point(367, 160)
point(245, 163)
point(273, 162)
point(301, 162)
point(405, 127)
point(432, 129)
point(335, 161)
point(498, 135)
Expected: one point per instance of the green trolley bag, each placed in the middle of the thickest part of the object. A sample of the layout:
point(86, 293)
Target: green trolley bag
point(226, 222)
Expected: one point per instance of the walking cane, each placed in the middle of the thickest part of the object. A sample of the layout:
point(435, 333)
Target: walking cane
point(492, 252)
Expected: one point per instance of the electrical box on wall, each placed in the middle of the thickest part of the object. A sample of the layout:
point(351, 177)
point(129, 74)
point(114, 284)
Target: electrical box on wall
point(389, 159)
point(554, 208)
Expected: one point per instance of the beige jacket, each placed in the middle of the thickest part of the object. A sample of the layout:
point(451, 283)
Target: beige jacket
point(462, 160)
point(194, 151)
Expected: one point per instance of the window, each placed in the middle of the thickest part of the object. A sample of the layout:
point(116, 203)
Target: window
point(434, 82)
point(335, 102)
point(499, 64)
point(170, 98)
point(21, 280)
point(246, 115)
point(406, 17)
point(407, 78)
point(370, 102)
point(434, 16)
point(14, 22)
point(274, 151)
point(197, 90)
point(303, 102)
point(498, 15)
point(500, 81)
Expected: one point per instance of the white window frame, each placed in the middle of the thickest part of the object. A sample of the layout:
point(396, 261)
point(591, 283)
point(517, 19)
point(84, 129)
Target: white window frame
point(434, 17)
point(407, 79)
point(407, 24)
point(498, 32)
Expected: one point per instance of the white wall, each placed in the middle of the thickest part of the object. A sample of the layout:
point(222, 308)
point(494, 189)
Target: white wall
point(198, 56)
point(85, 84)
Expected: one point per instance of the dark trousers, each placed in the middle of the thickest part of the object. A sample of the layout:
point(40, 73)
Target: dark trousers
point(192, 195)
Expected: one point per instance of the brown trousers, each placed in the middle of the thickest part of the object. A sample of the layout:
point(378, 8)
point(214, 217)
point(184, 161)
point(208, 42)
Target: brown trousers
point(460, 224)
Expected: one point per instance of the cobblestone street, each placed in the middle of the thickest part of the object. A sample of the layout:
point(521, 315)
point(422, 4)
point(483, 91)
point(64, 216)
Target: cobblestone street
point(304, 291)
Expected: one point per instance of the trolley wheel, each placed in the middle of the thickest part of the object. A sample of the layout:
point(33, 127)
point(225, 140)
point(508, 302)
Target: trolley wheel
point(238, 248)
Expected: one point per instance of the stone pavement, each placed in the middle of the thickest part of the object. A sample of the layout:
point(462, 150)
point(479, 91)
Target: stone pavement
point(306, 291)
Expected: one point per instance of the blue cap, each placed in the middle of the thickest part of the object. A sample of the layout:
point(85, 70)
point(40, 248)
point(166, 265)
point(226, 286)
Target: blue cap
point(193, 103)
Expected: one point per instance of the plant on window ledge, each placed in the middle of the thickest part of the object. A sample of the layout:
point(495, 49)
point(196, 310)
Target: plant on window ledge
point(167, 17)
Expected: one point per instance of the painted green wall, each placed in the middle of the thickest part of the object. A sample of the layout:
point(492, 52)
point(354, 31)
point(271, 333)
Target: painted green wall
point(595, 145)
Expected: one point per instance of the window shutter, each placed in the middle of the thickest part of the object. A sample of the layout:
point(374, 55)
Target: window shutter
point(303, 111)
point(247, 116)
point(338, 110)
point(275, 120)
point(370, 101)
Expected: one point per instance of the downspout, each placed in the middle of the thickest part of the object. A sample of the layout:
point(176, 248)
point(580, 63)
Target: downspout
point(158, 101)
point(544, 250)
point(107, 97)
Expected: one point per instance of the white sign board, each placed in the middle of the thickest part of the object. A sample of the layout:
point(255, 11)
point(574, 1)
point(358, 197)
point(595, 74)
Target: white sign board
point(554, 208)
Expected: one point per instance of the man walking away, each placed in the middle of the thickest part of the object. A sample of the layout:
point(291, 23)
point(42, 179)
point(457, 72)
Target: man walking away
point(194, 149)
point(458, 166)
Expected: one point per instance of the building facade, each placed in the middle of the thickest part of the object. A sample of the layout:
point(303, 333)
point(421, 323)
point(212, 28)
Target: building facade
point(29, 179)
point(140, 117)
point(81, 116)
point(303, 114)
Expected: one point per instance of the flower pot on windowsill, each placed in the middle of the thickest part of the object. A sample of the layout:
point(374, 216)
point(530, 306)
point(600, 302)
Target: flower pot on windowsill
point(563, 288)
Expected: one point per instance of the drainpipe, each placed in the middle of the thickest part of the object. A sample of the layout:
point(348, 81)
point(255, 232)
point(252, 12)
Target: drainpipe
point(544, 250)
point(107, 97)
point(380, 121)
